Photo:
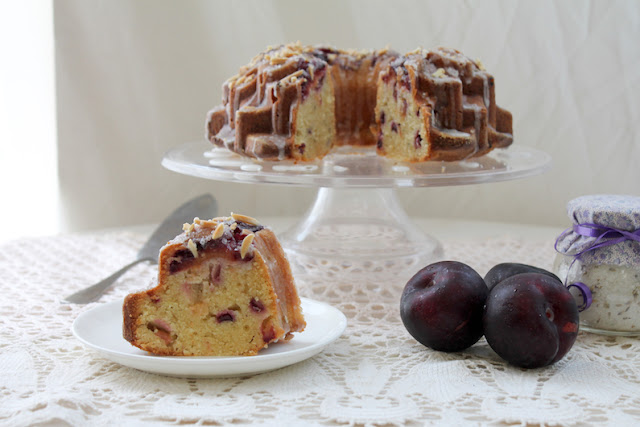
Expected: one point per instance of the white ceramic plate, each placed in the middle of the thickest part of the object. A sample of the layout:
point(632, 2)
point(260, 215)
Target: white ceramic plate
point(101, 329)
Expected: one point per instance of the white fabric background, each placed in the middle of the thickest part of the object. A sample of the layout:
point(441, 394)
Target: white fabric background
point(136, 78)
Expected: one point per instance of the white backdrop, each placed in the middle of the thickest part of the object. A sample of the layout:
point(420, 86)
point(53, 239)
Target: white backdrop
point(136, 78)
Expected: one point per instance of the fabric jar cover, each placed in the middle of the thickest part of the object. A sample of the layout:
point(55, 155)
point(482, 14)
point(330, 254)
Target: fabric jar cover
point(615, 211)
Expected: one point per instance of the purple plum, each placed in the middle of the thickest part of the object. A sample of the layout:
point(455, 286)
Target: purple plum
point(530, 320)
point(442, 306)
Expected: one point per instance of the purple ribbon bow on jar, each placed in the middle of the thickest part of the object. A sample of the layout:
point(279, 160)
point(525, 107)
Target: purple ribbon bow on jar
point(605, 236)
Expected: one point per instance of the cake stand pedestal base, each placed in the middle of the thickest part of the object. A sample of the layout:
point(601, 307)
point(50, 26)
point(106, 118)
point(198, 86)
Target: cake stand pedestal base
point(358, 235)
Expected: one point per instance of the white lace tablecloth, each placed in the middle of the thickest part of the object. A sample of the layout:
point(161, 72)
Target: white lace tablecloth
point(375, 374)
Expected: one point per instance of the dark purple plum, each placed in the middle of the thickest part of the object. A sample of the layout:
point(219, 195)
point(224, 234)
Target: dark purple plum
point(442, 306)
point(507, 269)
point(530, 320)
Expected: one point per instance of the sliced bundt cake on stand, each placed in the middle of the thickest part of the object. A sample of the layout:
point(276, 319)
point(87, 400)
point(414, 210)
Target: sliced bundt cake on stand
point(299, 102)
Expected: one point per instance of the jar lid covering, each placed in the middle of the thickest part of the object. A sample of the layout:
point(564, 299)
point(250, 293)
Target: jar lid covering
point(615, 211)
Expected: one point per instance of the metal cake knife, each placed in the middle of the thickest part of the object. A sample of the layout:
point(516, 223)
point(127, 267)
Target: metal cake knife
point(204, 206)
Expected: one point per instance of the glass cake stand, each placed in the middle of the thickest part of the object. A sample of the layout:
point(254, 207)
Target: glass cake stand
point(356, 228)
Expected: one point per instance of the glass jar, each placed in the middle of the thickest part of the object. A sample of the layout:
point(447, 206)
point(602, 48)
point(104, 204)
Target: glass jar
point(600, 254)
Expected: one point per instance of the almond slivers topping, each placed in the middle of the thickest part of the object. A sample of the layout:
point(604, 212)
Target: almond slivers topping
point(245, 219)
point(218, 232)
point(246, 244)
point(297, 73)
point(207, 223)
point(277, 60)
point(187, 227)
point(193, 248)
point(439, 73)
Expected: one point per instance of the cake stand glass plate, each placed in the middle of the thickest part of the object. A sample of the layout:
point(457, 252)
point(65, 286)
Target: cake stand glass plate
point(100, 328)
point(351, 166)
point(356, 230)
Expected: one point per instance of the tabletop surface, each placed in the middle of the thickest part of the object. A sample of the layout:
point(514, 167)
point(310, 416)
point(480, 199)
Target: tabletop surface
point(374, 374)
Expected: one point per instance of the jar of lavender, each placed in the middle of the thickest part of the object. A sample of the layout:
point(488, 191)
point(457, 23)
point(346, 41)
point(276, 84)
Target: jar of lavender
point(599, 260)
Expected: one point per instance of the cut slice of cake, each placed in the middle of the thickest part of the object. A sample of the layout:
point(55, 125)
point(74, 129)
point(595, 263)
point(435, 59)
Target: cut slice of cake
point(224, 288)
point(438, 105)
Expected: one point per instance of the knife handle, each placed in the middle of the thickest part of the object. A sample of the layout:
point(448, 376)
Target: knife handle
point(92, 293)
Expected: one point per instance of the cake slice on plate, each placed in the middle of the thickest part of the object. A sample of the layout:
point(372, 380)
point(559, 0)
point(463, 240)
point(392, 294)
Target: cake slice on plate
point(224, 288)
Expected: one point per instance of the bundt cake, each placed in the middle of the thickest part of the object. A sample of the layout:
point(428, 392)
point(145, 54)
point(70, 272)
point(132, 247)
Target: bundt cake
point(298, 102)
point(224, 288)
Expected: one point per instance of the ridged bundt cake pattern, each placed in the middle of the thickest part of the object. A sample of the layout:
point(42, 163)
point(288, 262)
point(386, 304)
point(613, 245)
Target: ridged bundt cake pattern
point(298, 102)
point(453, 99)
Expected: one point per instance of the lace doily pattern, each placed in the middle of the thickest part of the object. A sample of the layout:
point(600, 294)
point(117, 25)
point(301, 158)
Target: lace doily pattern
point(375, 374)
